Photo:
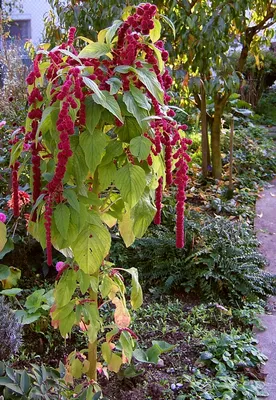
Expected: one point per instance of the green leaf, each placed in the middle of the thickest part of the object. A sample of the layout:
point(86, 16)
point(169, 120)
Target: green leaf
point(27, 319)
point(106, 352)
point(34, 301)
point(16, 151)
point(94, 87)
point(3, 235)
point(11, 292)
point(206, 355)
point(131, 181)
point(112, 30)
point(4, 381)
point(140, 147)
point(115, 85)
point(91, 247)
point(142, 214)
point(164, 347)
point(168, 22)
point(106, 175)
point(9, 246)
point(153, 354)
point(93, 112)
point(140, 98)
point(65, 288)
point(129, 130)
point(155, 33)
point(109, 103)
point(133, 108)
point(76, 368)
point(72, 199)
point(4, 271)
point(78, 165)
point(149, 79)
point(136, 297)
point(95, 50)
point(114, 149)
point(127, 345)
point(66, 324)
point(140, 355)
point(93, 146)
point(62, 219)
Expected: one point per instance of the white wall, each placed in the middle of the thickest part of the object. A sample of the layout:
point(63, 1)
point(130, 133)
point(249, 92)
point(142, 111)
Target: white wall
point(35, 11)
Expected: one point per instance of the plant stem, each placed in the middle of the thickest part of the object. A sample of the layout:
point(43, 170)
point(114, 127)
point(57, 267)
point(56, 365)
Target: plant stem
point(92, 346)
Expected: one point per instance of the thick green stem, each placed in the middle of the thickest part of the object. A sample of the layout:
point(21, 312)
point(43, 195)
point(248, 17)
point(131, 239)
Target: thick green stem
point(92, 346)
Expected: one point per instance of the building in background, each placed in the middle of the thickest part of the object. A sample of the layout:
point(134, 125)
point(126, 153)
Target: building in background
point(28, 24)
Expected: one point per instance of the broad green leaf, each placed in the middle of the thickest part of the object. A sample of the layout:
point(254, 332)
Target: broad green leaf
point(72, 199)
point(164, 347)
point(27, 319)
point(112, 30)
point(133, 108)
point(140, 147)
point(106, 175)
point(16, 151)
point(155, 33)
point(62, 219)
point(140, 355)
point(140, 98)
point(25, 382)
point(84, 281)
point(93, 113)
point(142, 215)
point(5, 381)
point(131, 181)
point(106, 352)
point(126, 228)
point(9, 246)
point(115, 85)
point(62, 312)
point(106, 286)
point(109, 103)
point(153, 354)
point(66, 324)
point(136, 291)
point(149, 79)
point(34, 301)
point(95, 50)
point(4, 271)
point(93, 145)
point(129, 130)
point(113, 150)
point(3, 235)
point(76, 368)
point(11, 292)
point(91, 247)
point(78, 165)
point(65, 288)
point(127, 345)
point(94, 87)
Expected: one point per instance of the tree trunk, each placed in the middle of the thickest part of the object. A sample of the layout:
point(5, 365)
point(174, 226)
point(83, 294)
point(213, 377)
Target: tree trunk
point(215, 142)
point(231, 156)
point(204, 132)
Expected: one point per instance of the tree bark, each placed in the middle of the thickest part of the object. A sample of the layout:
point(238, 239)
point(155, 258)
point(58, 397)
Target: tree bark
point(215, 143)
point(204, 132)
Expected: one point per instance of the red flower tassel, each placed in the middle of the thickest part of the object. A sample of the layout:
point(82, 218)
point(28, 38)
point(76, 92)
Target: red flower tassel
point(158, 201)
point(15, 189)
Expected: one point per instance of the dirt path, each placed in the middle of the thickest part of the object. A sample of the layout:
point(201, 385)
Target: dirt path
point(265, 226)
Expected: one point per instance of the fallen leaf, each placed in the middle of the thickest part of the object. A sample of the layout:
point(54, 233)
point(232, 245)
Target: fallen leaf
point(272, 194)
point(260, 215)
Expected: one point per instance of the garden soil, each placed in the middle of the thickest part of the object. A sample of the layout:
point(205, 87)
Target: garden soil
point(265, 226)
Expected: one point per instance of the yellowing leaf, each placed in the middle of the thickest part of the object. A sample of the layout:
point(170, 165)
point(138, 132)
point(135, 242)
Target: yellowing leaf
point(121, 315)
point(115, 363)
point(126, 229)
point(3, 235)
point(155, 33)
